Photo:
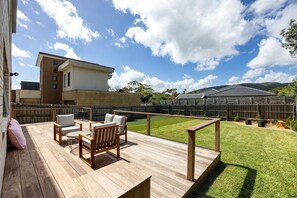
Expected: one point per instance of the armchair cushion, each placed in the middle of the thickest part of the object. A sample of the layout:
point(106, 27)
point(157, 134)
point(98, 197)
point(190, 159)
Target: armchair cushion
point(108, 118)
point(121, 121)
point(99, 124)
point(65, 120)
point(69, 129)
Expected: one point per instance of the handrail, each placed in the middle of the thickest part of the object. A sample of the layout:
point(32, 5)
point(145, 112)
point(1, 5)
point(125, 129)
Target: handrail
point(191, 135)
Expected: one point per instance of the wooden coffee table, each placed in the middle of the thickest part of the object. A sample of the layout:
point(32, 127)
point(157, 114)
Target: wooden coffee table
point(74, 135)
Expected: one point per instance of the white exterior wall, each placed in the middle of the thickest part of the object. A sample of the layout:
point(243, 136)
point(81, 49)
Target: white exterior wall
point(87, 79)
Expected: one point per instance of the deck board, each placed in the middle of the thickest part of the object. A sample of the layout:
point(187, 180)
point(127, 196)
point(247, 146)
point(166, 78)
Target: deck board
point(46, 169)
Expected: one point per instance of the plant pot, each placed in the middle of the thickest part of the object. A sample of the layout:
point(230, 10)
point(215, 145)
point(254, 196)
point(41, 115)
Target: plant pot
point(248, 122)
point(261, 123)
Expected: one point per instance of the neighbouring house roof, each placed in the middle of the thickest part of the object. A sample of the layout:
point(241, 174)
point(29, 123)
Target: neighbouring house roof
point(239, 91)
point(189, 96)
point(75, 62)
point(26, 85)
point(227, 91)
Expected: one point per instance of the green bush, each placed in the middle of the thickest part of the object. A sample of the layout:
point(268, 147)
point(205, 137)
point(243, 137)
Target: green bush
point(236, 118)
point(288, 121)
point(294, 125)
point(258, 117)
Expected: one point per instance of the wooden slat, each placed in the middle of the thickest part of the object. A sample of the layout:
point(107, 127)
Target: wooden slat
point(12, 177)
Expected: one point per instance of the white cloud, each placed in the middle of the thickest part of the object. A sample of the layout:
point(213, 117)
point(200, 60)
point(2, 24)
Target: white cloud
point(281, 20)
point(69, 52)
point(271, 54)
point(70, 24)
point(200, 32)
point(111, 32)
point(272, 76)
point(233, 80)
point(19, 53)
point(22, 19)
point(119, 81)
point(260, 76)
point(121, 42)
point(25, 2)
point(261, 7)
point(253, 73)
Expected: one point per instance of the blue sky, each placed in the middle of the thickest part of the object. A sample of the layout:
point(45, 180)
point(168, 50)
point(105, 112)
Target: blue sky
point(167, 44)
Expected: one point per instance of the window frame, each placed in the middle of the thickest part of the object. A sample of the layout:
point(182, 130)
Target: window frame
point(68, 79)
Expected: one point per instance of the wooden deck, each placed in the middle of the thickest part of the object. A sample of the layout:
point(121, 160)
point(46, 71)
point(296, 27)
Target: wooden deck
point(45, 169)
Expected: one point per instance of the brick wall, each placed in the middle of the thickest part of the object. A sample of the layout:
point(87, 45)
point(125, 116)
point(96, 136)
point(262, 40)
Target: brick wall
point(7, 10)
point(82, 97)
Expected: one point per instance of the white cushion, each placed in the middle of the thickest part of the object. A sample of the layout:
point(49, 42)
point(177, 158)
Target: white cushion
point(120, 120)
point(100, 124)
point(69, 129)
point(108, 118)
point(65, 120)
point(86, 142)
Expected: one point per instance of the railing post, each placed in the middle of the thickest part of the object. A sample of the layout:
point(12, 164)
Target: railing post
point(148, 125)
point(191, 155)
point(91, 114)
point(217, 136)
point(53, 115)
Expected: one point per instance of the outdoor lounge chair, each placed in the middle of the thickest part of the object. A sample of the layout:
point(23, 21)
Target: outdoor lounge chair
point(121, 121)
point(65, 124)
point(103, 138)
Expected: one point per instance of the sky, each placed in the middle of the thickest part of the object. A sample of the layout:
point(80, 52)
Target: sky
point(163, 43)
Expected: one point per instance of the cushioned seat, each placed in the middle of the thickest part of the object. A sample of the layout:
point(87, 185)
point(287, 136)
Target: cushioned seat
point(65, 124)
point(69, 129)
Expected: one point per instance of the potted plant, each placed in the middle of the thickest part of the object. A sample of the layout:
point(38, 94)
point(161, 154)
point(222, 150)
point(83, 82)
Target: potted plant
point(261, 122)
point(236, 118)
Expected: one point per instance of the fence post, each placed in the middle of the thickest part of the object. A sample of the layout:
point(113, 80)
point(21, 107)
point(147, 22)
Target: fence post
point(148, 125)
point(53, 115)
point(227, 112)
point(191, 155)
point(217, 136)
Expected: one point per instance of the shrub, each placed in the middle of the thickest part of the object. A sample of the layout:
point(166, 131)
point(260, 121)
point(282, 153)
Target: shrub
point(236, 118)
point(294, 125)
point(288, 121)
point(258, 117)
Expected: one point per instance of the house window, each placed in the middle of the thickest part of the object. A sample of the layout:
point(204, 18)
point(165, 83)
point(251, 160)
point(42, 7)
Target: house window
point(55, 62)
point(54, 78)
point(54, 86)
point(68, 79)
point(55, 70)
point(64, 80)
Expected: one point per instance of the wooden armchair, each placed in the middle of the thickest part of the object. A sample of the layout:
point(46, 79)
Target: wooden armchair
point(65, 124)
point(121, 121)
point(102, 139)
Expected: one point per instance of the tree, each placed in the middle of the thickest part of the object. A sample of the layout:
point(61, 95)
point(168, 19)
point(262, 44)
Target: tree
point(144, 90)
point(290, 36)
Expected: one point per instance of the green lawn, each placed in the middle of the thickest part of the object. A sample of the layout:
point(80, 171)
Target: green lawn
point(256, 162)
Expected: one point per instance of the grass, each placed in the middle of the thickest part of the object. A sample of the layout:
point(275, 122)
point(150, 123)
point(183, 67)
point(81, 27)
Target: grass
point(256, 162)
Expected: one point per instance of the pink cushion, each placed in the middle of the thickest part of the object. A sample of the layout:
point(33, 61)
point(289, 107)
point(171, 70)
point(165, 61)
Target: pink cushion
point(16, 135)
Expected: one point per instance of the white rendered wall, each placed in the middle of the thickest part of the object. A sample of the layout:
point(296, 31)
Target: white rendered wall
point(87, 79)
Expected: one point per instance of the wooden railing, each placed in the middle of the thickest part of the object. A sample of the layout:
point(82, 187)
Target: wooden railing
point(191, 135)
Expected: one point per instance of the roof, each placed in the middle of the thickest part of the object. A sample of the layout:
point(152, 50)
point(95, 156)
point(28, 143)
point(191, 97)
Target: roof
point(239, 91)
point(86, 65)
point(41, 55)
point(189, 96)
